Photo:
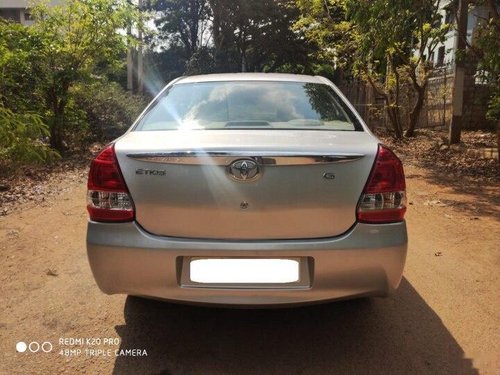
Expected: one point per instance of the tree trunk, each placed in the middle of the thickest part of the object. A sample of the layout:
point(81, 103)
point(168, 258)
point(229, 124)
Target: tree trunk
point(393, 113)
point(498, 139)
point(56, 140)
point(218, 36)
point(391, 109)
point(243, 60)
point(140, 55)
point(458, 83)
point(392, 99)
point(130, 62)
point(57, 124)
point(415, 112)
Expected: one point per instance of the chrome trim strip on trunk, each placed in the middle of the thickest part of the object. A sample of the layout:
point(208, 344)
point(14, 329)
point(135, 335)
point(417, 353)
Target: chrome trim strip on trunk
point(227, 157)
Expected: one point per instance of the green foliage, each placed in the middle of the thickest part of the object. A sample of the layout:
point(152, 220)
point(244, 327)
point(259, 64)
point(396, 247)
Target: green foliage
point(22, 127)
point(487, 45)
point(324, 23)
point(494, 107)
point(53, 84)
point(70, 43)
point(108, 109)
point(19, 67)
point(182, 23)
point(230, 36)
point(78, 37)
point(375, 41)
point(201, 62)
point(75, 132)
point(163, 66)
point(21, 137)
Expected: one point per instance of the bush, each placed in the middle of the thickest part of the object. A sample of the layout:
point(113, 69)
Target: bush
point(20, 68)
point(494, 107)
point(201, 62)
point(76, 131)
point(109, 109)
point(21, 139)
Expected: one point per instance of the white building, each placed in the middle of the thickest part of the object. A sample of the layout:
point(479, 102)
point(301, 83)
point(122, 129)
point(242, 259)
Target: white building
point(18, 11)
point(444, 54)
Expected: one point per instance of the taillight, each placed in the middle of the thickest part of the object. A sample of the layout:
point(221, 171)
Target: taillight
point(108, 199)
point(384, 197)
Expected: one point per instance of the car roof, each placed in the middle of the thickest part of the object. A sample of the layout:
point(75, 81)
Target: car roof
point(251, 77)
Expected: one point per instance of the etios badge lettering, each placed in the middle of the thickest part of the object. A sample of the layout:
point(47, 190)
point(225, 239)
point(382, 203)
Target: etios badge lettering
point(151, 172)
point(243, 170)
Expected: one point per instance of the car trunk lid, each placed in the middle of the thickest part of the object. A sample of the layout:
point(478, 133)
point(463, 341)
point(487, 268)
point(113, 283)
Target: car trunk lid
point(246, 184)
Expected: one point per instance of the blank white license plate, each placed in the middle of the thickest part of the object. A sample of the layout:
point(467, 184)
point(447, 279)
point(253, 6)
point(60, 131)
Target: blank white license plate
point(244, 271)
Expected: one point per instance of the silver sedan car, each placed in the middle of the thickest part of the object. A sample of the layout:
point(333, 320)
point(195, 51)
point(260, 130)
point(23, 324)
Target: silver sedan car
point(247, 189)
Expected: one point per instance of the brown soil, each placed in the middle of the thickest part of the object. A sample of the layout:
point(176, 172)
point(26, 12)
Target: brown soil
point(475, 158)
point(442, 320)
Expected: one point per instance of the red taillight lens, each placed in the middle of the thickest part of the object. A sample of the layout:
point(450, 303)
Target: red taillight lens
point(384, 197)
point(108, 199)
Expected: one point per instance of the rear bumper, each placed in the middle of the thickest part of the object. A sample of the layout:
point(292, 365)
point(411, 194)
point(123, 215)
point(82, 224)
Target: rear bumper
point(366, 261)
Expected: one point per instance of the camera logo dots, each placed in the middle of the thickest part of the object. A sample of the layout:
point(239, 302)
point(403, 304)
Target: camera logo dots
point(34, 347)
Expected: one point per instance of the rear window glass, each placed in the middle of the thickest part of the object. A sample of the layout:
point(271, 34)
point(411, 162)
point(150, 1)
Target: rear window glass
point(260, 105)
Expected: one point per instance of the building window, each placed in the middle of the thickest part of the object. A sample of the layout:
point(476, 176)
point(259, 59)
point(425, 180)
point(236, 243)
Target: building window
point(440, 59)
point(28, 16)
point(12, 14)
point(448, 18)
point(437, 22)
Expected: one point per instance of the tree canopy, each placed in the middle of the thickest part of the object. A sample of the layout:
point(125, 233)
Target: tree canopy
point(77, 37)
point(233, 35)
point(56, 76)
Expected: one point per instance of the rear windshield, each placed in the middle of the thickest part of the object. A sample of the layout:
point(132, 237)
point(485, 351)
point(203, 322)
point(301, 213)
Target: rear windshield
point(260, 105)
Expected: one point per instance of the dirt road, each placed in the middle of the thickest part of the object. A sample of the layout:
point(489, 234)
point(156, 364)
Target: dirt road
point(444, 319)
